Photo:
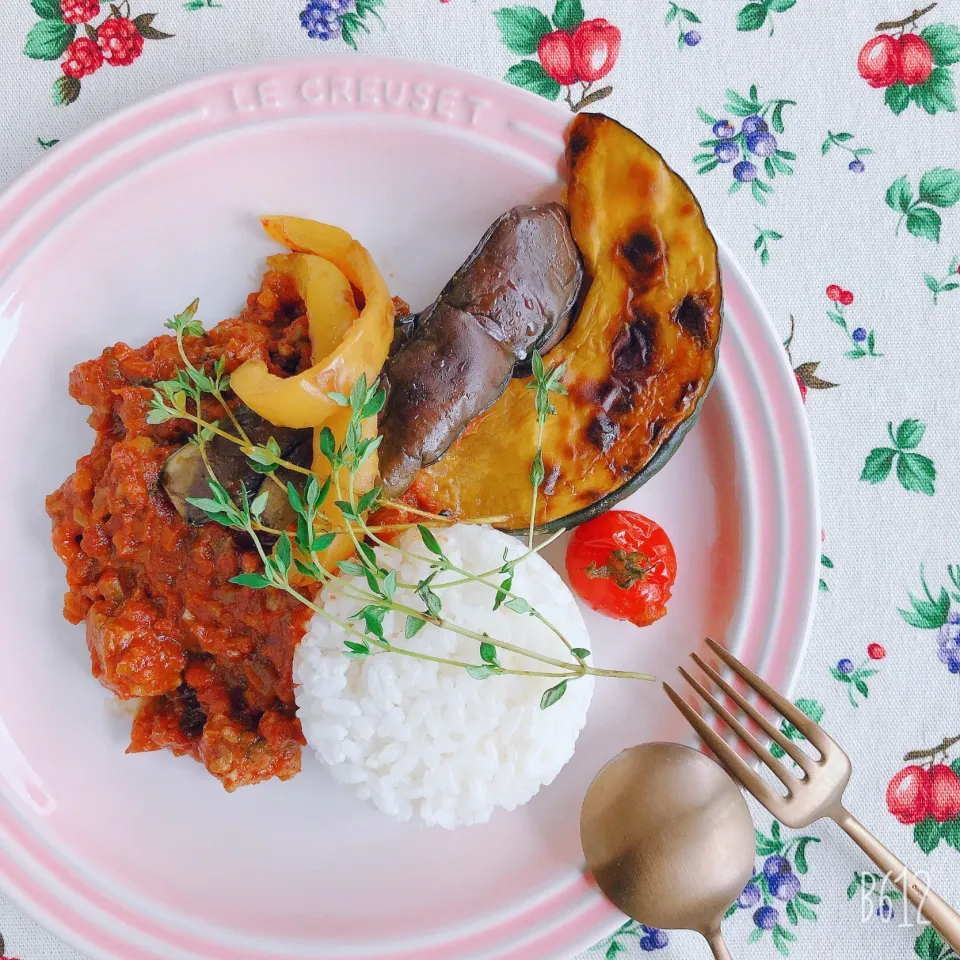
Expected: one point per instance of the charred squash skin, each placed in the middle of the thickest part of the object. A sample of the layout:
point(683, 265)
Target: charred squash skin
point(640, 357)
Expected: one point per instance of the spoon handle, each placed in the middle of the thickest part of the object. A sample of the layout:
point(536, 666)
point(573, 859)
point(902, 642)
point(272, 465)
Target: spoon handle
point(719, 948)
point(940, 914)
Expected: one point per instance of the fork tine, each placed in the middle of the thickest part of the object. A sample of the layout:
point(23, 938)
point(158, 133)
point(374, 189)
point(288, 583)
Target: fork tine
point(805, 762)
point(812, 731)
point(735, 765)
point(761, 752)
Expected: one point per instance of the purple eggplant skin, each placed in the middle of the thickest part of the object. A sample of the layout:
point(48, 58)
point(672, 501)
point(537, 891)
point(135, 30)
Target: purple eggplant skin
point(515, 293)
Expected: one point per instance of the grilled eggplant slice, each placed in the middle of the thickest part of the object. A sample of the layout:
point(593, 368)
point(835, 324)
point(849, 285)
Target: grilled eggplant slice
point(515, 292)
point(185, 475)
point(639, 358)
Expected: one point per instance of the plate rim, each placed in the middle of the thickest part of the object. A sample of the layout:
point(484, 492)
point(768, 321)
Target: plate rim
point(20, 191)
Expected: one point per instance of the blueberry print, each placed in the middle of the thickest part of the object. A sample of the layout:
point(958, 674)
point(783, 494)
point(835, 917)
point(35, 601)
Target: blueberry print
point(756, 15)
point(948, 643)
point(949, 283)
point(939, 187)
point(841, 141)
point(766, 918)
point(854, 677)
point(648, 939)
point(756, 140)
point(915, 472)
point(726, 151)
point(750, 897)
point(774, 899)
point(344, 19)
point(863, 342)
point(929, 612)
point(653, 939)
point(683, 17)
point(874, 887)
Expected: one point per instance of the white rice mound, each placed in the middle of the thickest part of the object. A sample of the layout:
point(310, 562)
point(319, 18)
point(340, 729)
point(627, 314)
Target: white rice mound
point(426, 742)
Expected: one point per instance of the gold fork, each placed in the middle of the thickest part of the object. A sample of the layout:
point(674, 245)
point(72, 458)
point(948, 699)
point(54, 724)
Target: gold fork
point(816, 795)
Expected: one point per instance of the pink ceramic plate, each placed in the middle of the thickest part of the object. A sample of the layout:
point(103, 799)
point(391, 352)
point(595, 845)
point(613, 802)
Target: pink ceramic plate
point(145, 857)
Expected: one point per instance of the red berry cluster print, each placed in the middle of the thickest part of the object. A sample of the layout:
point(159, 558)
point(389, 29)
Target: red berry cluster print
point(572, 53)
point(926, 796)
point(912, 67)
point(117, 40)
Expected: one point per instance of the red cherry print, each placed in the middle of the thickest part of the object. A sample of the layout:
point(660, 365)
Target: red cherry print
point(833, 292)
point(876, 652)
point(596, 45)
point(79, 11)
point(81, 58)
point(916, 59)
point(120, 41)
point(802, 387)
point(846, 298)
point(908, 795)
point(879, 61)
point(556, 53)
point(944, 793)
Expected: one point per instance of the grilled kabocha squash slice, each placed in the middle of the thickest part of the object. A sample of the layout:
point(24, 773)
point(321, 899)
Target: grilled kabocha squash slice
point(639, 358)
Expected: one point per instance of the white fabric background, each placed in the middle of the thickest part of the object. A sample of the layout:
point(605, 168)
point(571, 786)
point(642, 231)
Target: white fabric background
point(836, 229)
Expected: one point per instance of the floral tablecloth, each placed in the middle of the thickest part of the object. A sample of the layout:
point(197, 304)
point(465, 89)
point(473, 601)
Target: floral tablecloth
point(825, 148)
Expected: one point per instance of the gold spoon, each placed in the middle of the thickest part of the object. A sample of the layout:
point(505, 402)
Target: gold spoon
point(669, 839)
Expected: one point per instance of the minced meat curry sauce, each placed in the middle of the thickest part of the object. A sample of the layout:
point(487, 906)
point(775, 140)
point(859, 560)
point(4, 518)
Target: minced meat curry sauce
point(209, 660)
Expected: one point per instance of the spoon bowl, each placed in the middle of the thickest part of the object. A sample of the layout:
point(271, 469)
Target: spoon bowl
point(669, 839)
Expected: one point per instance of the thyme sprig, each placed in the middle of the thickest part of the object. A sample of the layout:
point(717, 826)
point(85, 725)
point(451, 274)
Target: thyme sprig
point(544, 382)
point(296, 559)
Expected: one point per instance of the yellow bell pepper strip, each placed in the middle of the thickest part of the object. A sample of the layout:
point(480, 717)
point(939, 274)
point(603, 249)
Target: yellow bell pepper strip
point(302, 400)
point(327, 295)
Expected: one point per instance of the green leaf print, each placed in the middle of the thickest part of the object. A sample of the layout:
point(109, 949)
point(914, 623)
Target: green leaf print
point(754, 15)
point(944, 42)
point(928, 614)
point(949, 283)
point(48, 39)
point(900, 195)
point(567, 14)
point(761, 244)
point(530, 75)
point(915, 472)
point(897, 97)
point(924, 222)
point(939, 187)
point(47, 9)
point(811, 708)
point(927, 835)
point(909, 434)
point(878, 465)
point(930, 946)
point(521, 28)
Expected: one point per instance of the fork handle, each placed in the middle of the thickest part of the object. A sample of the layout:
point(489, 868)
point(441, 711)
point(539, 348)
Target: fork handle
point(941, 915)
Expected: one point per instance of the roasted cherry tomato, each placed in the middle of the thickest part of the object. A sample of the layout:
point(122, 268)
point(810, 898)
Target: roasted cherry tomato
point(622, 565)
